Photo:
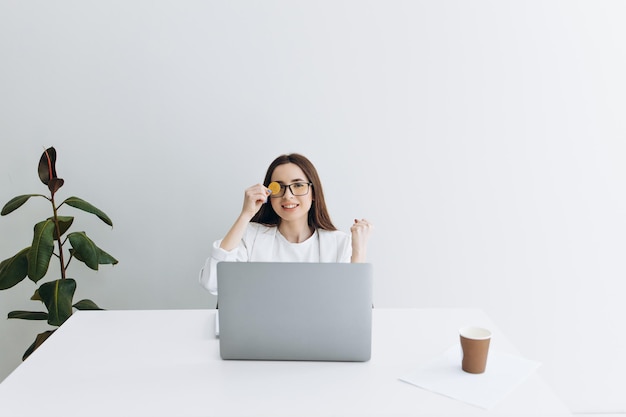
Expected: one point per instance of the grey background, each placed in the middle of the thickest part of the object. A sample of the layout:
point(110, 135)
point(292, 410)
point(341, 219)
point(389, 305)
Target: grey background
point(485, 140)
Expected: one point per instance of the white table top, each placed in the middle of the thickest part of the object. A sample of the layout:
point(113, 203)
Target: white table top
point(167, 363)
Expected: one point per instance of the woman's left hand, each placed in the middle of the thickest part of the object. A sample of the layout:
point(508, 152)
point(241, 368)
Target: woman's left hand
point(360, 232)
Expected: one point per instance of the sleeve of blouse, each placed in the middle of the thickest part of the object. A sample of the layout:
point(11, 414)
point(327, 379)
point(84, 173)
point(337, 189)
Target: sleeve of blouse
point(344, 249)
point(208, 273)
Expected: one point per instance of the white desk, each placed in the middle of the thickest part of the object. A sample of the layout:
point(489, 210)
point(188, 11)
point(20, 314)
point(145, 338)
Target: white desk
point(166, 363)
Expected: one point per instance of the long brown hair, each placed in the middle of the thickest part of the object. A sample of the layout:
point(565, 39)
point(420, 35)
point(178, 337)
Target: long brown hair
point(318, 214)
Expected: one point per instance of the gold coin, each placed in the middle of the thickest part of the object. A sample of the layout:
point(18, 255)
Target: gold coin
point(274, 187)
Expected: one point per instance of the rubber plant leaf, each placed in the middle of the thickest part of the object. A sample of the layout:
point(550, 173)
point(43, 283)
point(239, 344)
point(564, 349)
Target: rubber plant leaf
point(17, 202)
point(28, 315)
point(57, 296)
point(103, 258)
point(14, 270)
point(36, 296)
point(47, 170)
point(41, 250)
point(89, 208)
point(84, 249)
point(47, 165)
point(106, 259)
point(65, 222)
point(86, 305)
point(41, 337)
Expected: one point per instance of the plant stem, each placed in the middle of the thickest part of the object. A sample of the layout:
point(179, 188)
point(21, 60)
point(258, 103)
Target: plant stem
point(58, 235)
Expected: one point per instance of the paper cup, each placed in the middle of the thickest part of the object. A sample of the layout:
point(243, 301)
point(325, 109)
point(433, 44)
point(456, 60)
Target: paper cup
point(475, 345)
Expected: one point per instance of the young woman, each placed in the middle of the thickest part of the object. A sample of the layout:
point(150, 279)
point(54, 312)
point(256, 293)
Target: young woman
point(289, 224)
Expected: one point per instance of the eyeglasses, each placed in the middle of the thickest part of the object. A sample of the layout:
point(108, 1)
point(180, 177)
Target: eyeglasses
point(297, 189)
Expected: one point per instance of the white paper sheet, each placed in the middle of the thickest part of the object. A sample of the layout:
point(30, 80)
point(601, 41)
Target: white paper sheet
point(444, 375)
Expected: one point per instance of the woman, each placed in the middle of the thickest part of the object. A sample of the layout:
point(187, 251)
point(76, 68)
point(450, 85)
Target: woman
point(289, 224)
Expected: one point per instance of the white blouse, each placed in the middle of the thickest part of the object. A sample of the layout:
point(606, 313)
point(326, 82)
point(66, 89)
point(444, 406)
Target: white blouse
point(265, 244)
point(307, 251)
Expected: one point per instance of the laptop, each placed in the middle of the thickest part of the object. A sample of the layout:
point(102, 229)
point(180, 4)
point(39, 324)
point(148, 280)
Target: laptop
point(295, 311)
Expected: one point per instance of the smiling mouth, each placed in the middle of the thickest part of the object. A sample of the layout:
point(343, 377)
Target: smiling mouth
point(289, 206)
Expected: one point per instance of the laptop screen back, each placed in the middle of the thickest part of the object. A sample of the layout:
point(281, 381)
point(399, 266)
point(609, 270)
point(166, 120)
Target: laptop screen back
point(295, 311)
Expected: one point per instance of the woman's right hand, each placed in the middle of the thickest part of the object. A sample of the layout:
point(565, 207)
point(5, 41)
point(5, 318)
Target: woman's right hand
point(254, 198)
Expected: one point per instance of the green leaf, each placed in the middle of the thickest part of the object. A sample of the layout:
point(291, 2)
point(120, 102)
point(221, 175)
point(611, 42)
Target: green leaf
point(17, 202)
point(84, 249)
point(65, 222)
point(85, 206)
point(57, 296)
point(41, 250)
point(14, 270)
point(105, 259)
point(41, 337)
point(28, 315)
point(86, 305)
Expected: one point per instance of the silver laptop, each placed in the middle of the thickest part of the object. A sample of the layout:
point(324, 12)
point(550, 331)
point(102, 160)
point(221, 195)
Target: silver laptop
point(295, 311)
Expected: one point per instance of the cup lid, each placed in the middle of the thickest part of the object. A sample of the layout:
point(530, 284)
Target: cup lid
point(476, 333)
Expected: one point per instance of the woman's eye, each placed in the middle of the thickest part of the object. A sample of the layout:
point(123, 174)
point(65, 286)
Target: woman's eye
point(298, 185)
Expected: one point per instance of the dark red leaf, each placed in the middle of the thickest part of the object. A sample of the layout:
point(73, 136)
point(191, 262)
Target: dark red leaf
point(55, 184)
point(47, 163)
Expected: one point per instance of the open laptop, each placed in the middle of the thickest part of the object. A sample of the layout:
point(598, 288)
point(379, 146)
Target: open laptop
point(295, 311)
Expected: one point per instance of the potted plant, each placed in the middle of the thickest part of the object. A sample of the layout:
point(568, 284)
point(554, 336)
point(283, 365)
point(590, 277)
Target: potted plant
point(50, 239)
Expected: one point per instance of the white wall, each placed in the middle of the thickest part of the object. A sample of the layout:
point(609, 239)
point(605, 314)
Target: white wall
point(485, 140)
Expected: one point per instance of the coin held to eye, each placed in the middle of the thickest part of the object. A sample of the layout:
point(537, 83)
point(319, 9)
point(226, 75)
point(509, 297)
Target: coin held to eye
point(274, 187)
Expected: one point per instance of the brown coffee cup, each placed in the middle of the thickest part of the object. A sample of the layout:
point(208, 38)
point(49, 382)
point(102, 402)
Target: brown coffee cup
point(475, 345)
